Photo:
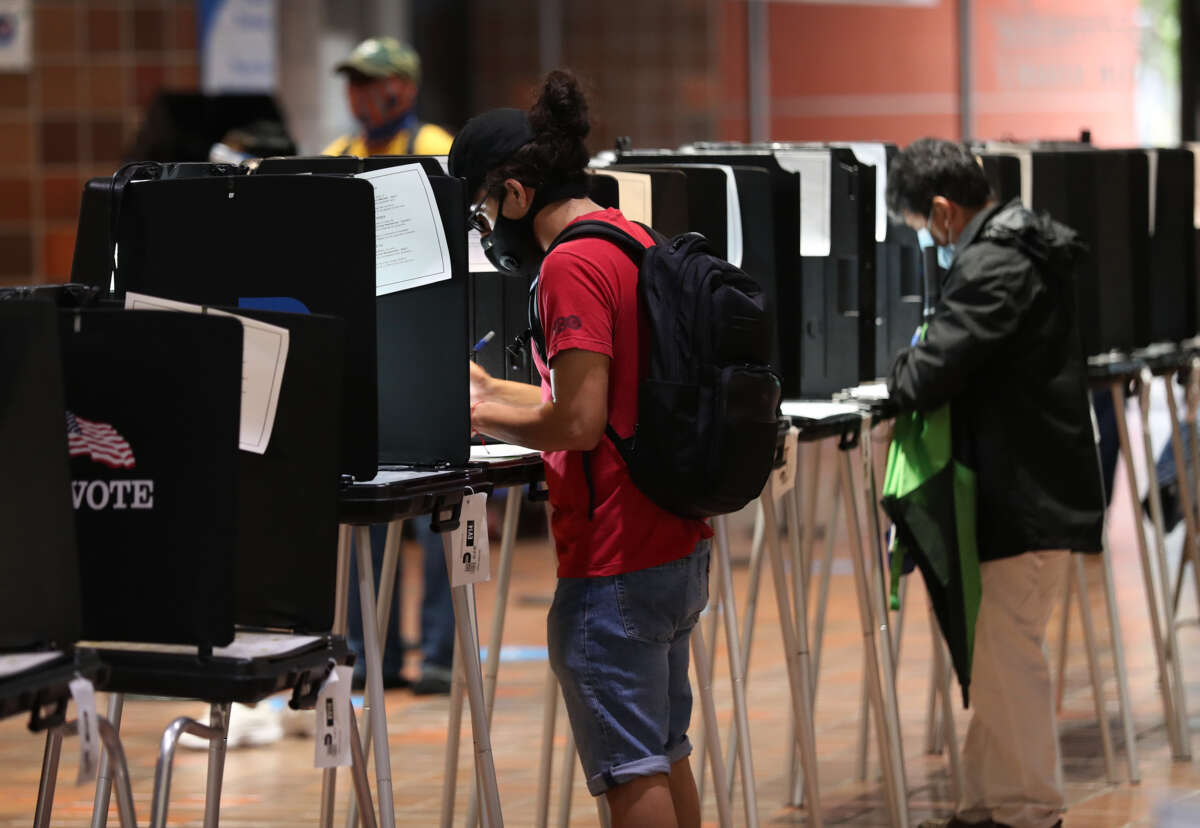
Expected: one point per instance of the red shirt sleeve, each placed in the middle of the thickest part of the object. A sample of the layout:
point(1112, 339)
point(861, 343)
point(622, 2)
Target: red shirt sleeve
point(577, 303)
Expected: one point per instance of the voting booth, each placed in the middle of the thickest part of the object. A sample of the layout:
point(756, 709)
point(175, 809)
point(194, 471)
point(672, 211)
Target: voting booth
point(899, 271)
point(152, 402)
point(1104, 196)
point(38, 551)
point(823, 212)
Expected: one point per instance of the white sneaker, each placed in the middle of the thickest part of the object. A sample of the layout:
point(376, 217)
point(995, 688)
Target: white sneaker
point(248, 727)
point(297, 723)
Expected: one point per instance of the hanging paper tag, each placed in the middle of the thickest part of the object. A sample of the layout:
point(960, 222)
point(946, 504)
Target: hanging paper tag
point(84, 695)
point(333, 720)
point(469, 561)
point(784, 477)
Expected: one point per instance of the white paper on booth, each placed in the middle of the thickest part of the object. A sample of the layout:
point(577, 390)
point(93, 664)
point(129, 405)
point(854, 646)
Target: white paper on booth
point(1195, 149)
point(500, 451)
point(733, 213)
point(264, 356)
point(410, 242)
point(1024, 156)
point(634, 193)
point(816, 182)
point(876, 156)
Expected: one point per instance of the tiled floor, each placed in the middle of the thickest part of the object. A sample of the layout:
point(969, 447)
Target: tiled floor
point(277, 785)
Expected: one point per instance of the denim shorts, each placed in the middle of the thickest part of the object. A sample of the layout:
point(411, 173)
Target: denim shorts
point(619, 647)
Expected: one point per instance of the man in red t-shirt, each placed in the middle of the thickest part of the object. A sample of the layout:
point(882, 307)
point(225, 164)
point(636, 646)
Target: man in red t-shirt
point(633, 578)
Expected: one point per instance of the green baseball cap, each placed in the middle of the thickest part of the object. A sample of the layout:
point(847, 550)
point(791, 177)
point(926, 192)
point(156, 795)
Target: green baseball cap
point(383, 57)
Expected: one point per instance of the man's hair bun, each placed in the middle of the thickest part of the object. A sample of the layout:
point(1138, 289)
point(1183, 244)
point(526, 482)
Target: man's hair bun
point(561, 107)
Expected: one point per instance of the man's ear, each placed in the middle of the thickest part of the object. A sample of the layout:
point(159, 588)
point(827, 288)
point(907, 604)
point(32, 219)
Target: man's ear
point(518, 198)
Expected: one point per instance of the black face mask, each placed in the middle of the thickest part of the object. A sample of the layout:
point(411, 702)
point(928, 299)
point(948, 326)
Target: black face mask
point(512, 246)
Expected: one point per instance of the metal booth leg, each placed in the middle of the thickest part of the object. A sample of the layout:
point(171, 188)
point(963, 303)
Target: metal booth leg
point(341, 600)
point(1064, 636)
point(878, 591)
point(453, 736)
point(374, 669)
point(508, 542)
point(941, 664)
point(166, 758)
point(747, 632)
point(485, 768)
point(794, 628)
point(1165, 676)
point(1193, 405)
point(704, 679)
point(893, 781)
point(50, 757)
point(358, 775)
point(218, 720)
point(1169, 638)
point(383, 614)
point(802, 540)
point(116, 705)
point(1118, 651)
point(566, 779)
point(737, 671)
point(546, 754)
point(708, 624)
point(1093, 656)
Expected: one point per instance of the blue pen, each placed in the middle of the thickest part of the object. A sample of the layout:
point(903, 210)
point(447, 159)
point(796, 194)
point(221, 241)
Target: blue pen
point(487, 337)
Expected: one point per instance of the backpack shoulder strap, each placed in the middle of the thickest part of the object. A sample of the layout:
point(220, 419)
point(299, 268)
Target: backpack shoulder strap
point(594, 229)
point(591, 229)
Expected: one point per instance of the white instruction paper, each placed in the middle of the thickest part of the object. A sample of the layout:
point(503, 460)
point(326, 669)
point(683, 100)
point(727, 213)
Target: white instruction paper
point(264, 355)
point(410, 242)
point(816, 198)
point(876, 156)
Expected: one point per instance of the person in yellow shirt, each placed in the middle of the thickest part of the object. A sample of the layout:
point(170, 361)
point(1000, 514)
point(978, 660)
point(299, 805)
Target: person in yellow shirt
point(382, 78)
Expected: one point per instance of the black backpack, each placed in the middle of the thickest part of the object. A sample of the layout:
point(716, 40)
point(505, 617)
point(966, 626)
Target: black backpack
point(708, 402)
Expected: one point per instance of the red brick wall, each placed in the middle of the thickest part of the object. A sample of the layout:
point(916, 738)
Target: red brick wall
point(890, 71)
point(95, 66)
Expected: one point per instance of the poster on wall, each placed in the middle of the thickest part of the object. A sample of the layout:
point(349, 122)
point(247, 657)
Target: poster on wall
point(16, 36)
point(238, 45)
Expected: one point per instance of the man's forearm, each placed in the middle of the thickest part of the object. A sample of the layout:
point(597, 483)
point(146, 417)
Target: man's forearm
point(523, 425)
point(514, 393)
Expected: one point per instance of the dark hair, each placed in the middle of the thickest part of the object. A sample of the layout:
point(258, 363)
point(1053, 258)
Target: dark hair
point(560, 123)
point(932, 167)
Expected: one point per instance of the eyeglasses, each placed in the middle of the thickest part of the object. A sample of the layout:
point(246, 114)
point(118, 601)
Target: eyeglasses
point(477, 219)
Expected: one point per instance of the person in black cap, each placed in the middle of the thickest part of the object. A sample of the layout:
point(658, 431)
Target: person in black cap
point(633, 578)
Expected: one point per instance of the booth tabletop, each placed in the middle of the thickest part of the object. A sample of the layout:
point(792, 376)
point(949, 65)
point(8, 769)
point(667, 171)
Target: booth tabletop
point(1164, 359)
point(823, 419)
point(504, 466)
point(1109, 368)
point(395, 494)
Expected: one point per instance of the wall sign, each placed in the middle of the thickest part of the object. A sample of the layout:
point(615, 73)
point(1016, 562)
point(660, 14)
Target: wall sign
point(16, 36)
point(238, 45)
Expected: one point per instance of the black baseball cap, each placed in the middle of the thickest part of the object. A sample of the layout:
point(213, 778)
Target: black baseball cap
point(486, 142)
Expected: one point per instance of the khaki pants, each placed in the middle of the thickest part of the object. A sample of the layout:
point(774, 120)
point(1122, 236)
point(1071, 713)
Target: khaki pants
point(1011, 752)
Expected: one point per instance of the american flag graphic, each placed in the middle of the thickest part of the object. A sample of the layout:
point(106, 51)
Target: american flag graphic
point(100, 441)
